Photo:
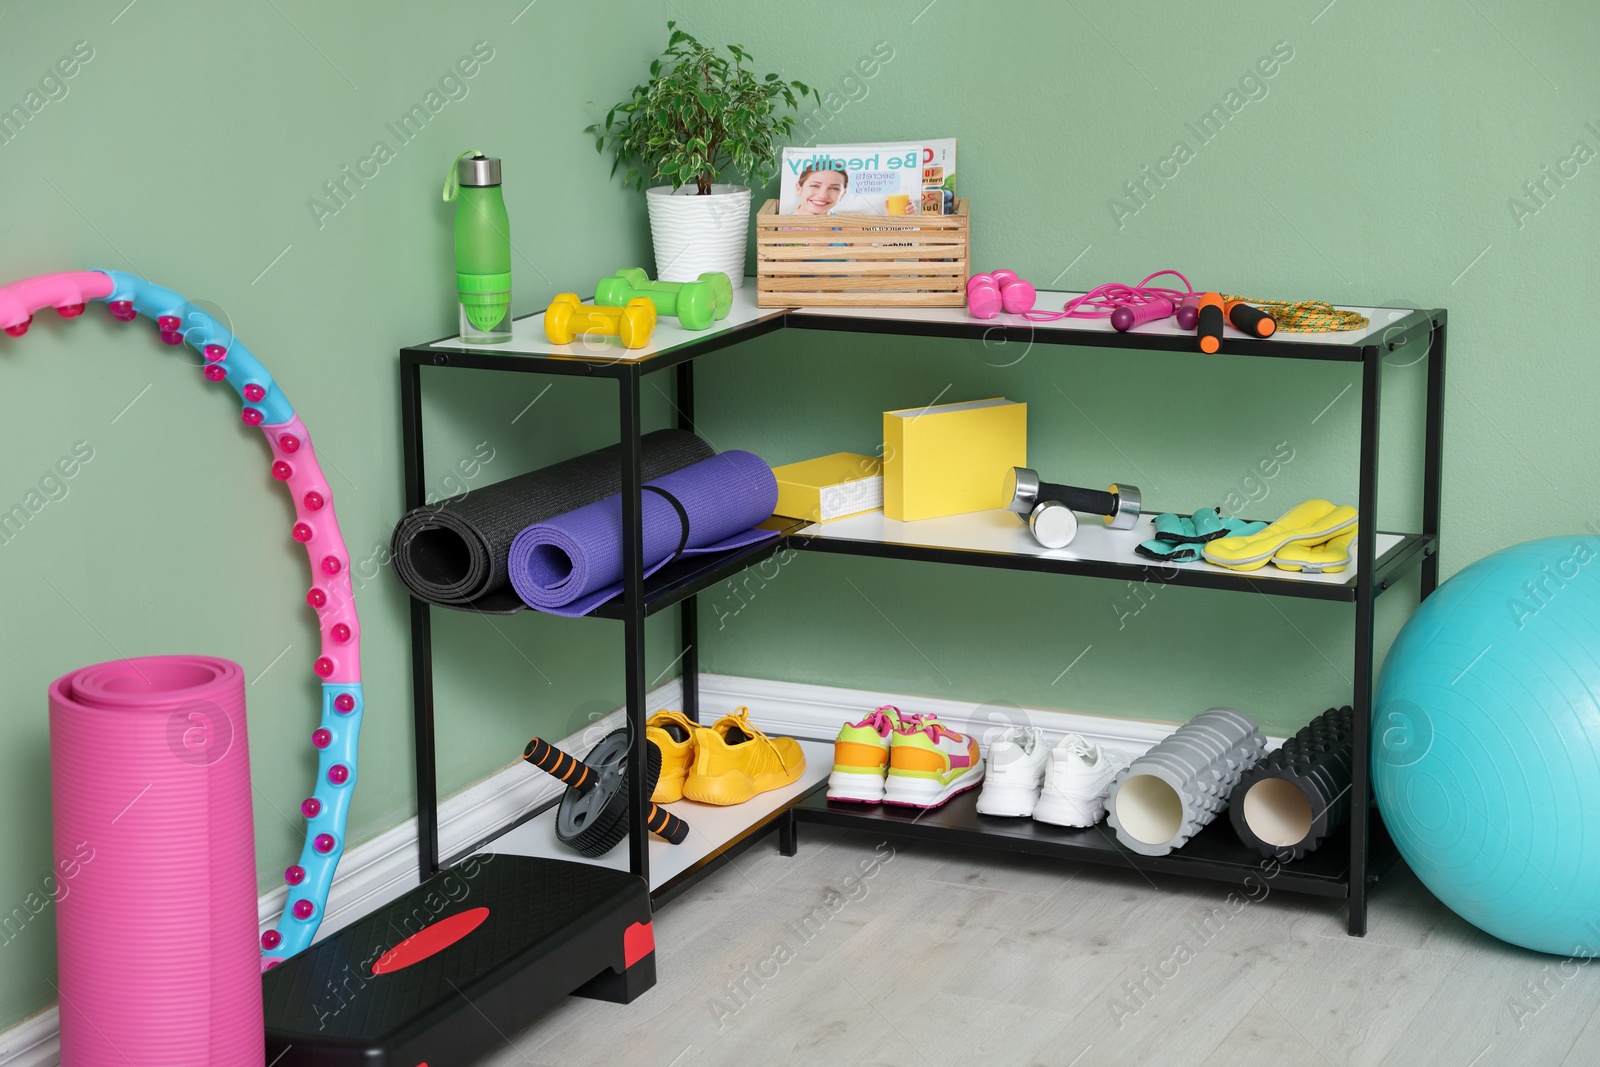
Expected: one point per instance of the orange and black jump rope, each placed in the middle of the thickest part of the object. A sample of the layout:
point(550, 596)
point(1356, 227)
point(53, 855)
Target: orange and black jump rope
point(1214, 307)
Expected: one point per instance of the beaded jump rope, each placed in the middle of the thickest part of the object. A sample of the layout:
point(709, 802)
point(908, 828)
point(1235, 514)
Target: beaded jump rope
point(1295, 316)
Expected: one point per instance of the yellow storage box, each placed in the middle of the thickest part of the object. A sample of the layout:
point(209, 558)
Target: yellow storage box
point(952, 458)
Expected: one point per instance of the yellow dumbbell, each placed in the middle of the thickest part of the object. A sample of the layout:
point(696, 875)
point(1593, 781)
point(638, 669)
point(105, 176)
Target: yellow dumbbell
point(567, 317)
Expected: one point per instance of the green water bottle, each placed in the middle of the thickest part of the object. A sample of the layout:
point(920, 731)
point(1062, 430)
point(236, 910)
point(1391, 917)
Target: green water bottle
point(483, 248)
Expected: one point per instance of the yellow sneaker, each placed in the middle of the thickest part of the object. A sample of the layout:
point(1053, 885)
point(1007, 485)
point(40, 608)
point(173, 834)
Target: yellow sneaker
point(734, 761)
point(673, 734)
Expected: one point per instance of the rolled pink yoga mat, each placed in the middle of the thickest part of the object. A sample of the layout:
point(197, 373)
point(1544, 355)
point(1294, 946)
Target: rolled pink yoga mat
point(155, 856)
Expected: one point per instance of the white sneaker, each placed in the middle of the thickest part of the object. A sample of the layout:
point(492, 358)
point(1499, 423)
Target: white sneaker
point(1077, 780)
point(1017, 760)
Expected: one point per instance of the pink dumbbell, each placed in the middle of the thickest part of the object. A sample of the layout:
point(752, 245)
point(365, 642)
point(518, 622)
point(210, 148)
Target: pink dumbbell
point(1001, 290)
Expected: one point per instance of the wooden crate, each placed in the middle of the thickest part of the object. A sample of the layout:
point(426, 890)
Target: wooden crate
point(861, 260)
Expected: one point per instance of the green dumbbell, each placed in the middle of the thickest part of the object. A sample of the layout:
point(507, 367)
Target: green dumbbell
point(695, 304)
point(721, 287)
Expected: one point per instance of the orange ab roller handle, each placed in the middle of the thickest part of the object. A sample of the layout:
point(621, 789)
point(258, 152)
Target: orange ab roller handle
point(666, 825)
point(571, 770)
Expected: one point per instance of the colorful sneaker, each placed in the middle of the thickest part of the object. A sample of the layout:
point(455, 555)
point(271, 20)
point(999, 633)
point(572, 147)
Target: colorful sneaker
point(861, 757)
point(1017, 760)
point(673, 734)
point(1077, 781)
point(734, 761)
point(929, 764)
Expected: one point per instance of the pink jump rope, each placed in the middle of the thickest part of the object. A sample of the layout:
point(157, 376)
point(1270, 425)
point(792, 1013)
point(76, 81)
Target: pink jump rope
point(1126, 305)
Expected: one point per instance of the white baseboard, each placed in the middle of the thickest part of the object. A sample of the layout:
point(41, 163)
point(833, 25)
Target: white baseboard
point(816, 712)
point(34, 1042)
point(384, 867)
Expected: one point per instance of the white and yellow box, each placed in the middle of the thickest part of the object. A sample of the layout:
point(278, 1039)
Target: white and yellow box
point(952, 458)
point(829, 487)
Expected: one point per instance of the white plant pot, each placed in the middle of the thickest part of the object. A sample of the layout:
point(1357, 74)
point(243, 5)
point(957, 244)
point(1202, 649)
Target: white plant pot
point(695, 234)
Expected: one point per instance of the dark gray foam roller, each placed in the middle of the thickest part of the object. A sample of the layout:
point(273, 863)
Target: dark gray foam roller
point(1317, 762)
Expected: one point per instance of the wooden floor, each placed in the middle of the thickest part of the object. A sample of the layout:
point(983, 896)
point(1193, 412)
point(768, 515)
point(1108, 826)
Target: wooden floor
point(864, 951)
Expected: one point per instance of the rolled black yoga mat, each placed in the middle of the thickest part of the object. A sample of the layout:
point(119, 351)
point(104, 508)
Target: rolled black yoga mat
point(454, 554)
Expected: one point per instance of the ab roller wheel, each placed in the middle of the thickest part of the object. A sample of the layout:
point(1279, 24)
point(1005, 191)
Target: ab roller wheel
point(593, 814)
point(593, 820)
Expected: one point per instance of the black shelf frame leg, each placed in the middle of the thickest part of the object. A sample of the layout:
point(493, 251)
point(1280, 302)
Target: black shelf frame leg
point(633, 638)
point(689, 661)
point(789, 834)
point(688, 609)
point(1366, 605)
point(1433, 454)
point(421, 634)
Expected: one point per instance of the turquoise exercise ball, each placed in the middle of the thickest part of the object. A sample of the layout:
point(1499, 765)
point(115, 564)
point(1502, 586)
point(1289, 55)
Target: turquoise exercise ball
point(1486, 744)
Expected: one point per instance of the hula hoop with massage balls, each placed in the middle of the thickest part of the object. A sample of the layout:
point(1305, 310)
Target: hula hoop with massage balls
point(294, 462)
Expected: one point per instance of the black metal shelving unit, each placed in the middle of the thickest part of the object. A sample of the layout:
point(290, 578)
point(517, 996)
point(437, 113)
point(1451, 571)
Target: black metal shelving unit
point(1341, 869)
point(1213, 854)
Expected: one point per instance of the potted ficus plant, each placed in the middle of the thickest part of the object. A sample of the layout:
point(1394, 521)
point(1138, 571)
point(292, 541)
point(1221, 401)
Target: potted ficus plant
point(703, 116)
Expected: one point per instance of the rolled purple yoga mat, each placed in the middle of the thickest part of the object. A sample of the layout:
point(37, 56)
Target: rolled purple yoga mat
point(454, 553)
point(571, 564)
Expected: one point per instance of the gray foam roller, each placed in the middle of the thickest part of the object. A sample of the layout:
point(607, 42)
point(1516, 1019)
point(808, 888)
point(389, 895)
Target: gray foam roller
point(1166, 795)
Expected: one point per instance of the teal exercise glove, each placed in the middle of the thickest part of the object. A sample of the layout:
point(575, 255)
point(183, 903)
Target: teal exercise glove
point(1170, 551)
point(1179, 538)
point(1204, 525)
point(1173, 528)
point(1209, 524)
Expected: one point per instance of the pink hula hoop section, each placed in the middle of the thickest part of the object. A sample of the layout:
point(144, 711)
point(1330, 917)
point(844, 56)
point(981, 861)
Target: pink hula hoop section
point(294, 463)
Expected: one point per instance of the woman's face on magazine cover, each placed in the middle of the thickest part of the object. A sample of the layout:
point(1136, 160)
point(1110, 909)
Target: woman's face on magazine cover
point(819, 192)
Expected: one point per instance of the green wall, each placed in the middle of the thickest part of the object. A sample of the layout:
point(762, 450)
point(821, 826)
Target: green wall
point(186, 149)
point(1377, 165)
point(1368, 155)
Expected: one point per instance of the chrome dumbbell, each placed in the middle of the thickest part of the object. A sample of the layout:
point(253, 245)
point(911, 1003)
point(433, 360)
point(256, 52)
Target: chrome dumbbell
point(1048, 508)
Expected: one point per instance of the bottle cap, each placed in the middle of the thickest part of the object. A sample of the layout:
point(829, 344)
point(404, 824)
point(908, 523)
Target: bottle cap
point(477, 170)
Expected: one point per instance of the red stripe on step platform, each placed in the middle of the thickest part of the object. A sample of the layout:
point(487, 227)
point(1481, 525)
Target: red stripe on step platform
point(638, 941)
point(429, 941)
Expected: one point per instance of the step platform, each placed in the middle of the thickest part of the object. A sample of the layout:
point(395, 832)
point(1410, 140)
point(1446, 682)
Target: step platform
point(450, 971)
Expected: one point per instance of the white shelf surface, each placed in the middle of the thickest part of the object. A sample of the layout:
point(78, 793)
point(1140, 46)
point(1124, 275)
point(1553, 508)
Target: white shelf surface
point(528, 339)
point(710, 826)
point(1380, 319)
point(527, 333)
point(1004, 531)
